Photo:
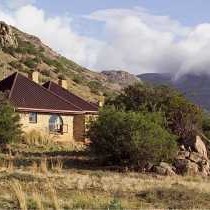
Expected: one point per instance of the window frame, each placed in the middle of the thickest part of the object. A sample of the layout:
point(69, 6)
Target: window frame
point(34, 114)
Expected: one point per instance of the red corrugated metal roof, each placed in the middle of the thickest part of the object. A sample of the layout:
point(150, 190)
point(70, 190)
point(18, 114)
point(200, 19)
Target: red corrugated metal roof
point(70, 97)
point(27, 95)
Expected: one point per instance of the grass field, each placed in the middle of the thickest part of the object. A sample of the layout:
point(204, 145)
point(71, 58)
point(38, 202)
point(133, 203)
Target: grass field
point(67, 180)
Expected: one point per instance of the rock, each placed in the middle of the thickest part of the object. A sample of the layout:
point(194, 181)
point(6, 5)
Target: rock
point(148, 167)
point(182, 147)
point(7, 38)
point(183, 155)
point(200, 147)
point(164, 169)
point(195, 157)
point(186, 167)
point(192, 169)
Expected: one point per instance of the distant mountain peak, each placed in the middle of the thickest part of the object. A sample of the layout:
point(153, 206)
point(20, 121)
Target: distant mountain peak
point(120, 76)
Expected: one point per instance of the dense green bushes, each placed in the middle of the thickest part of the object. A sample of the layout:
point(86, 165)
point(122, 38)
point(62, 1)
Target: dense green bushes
point(144, 124)
point(9, 122)
point(131, 138)
point(183, 118)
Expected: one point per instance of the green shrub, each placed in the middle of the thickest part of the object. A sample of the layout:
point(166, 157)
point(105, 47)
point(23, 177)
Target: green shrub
point(9, 122)
point(95, 86)
point(16, 65)
point(31, 63)
point(131, 138)
point(183, 118)
point(78, 79)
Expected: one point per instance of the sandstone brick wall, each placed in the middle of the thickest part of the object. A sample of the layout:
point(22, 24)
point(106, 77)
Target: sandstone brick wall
point(42, 125)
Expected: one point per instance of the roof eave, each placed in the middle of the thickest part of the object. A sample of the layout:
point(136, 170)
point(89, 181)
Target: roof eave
point(26, 109)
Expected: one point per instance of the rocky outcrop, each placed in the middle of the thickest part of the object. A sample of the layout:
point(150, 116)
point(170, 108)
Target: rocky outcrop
point(164, 169)
point(122, 77)
point(7, 38)
point(200, 147)
point(191, 160)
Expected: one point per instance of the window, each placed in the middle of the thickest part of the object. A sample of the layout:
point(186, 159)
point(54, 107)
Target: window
point(33, 117)
point(56, 125)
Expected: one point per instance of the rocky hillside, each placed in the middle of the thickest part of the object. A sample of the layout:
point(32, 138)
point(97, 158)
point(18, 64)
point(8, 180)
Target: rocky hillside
point(124, 78)
point(195, 87)
point(25, 53)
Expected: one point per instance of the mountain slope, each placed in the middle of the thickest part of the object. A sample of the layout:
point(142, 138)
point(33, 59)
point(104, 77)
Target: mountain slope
point(124, 78)
point(195, 87)
point(25, 53)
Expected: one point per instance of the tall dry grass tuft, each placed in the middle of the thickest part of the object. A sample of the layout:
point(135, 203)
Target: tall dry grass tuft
point(57, 166)
point(34, 167)
point(53, 196)
point(17, 190)
point(43, 167)
point(10, 166)
point(37, 138)
point(37, 198)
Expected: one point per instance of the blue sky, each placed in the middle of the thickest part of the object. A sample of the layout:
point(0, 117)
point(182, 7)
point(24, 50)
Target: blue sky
point(138, 36)
point(189, 12)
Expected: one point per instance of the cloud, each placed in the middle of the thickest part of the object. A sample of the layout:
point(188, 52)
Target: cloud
point(55, 32)
point(133, 39)
point(141, 42)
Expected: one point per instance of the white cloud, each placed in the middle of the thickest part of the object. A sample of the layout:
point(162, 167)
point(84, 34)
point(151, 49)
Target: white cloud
point(135, 40)
point(141, 42)
point(55, 32)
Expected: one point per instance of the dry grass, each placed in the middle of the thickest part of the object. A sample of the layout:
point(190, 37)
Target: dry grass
point(57, 165)
point(43, 167)
point(53, 196)
point(102, 190)
point(36, 138)
point(47, 184)
point(37, 198)
point(16, 189)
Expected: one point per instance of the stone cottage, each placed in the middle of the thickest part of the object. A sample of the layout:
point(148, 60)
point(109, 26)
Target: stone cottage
point(49, 108)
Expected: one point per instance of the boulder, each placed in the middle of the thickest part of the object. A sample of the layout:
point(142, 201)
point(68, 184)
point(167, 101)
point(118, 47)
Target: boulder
point(200, 147)
point(186, 167)
point(164, 169)
point(183, 155)
point(196, 157)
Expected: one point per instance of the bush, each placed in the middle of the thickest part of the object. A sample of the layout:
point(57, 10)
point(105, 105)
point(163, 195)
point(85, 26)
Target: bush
point(131, 138)
point(78, 79)
point(9, 122)
point(95, 86)
point(184, 118)
point(31, 63)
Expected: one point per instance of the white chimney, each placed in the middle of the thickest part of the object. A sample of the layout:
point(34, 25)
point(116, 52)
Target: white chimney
point(63, 83)
point(34, 76)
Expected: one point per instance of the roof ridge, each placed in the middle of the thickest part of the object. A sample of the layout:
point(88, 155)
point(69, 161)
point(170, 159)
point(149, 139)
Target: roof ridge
point(13, 84)
point(73, 94)
point(46, 90)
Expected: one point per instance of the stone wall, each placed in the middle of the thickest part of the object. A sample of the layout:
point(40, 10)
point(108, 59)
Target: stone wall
point(42, 126)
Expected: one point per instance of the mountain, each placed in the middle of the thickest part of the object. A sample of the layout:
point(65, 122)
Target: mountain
point(195, 87)
point(124, 78)
point(25, 53)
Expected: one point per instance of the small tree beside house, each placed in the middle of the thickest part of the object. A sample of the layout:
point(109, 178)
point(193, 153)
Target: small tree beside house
point(10, 128)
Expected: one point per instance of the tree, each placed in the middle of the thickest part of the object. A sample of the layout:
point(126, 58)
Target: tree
point(10, 128)
point(130, 138)
point(182, 117)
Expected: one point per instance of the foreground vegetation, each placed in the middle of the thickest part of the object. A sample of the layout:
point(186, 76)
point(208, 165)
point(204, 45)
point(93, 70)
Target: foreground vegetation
point(141, 125)
point(74, 181)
